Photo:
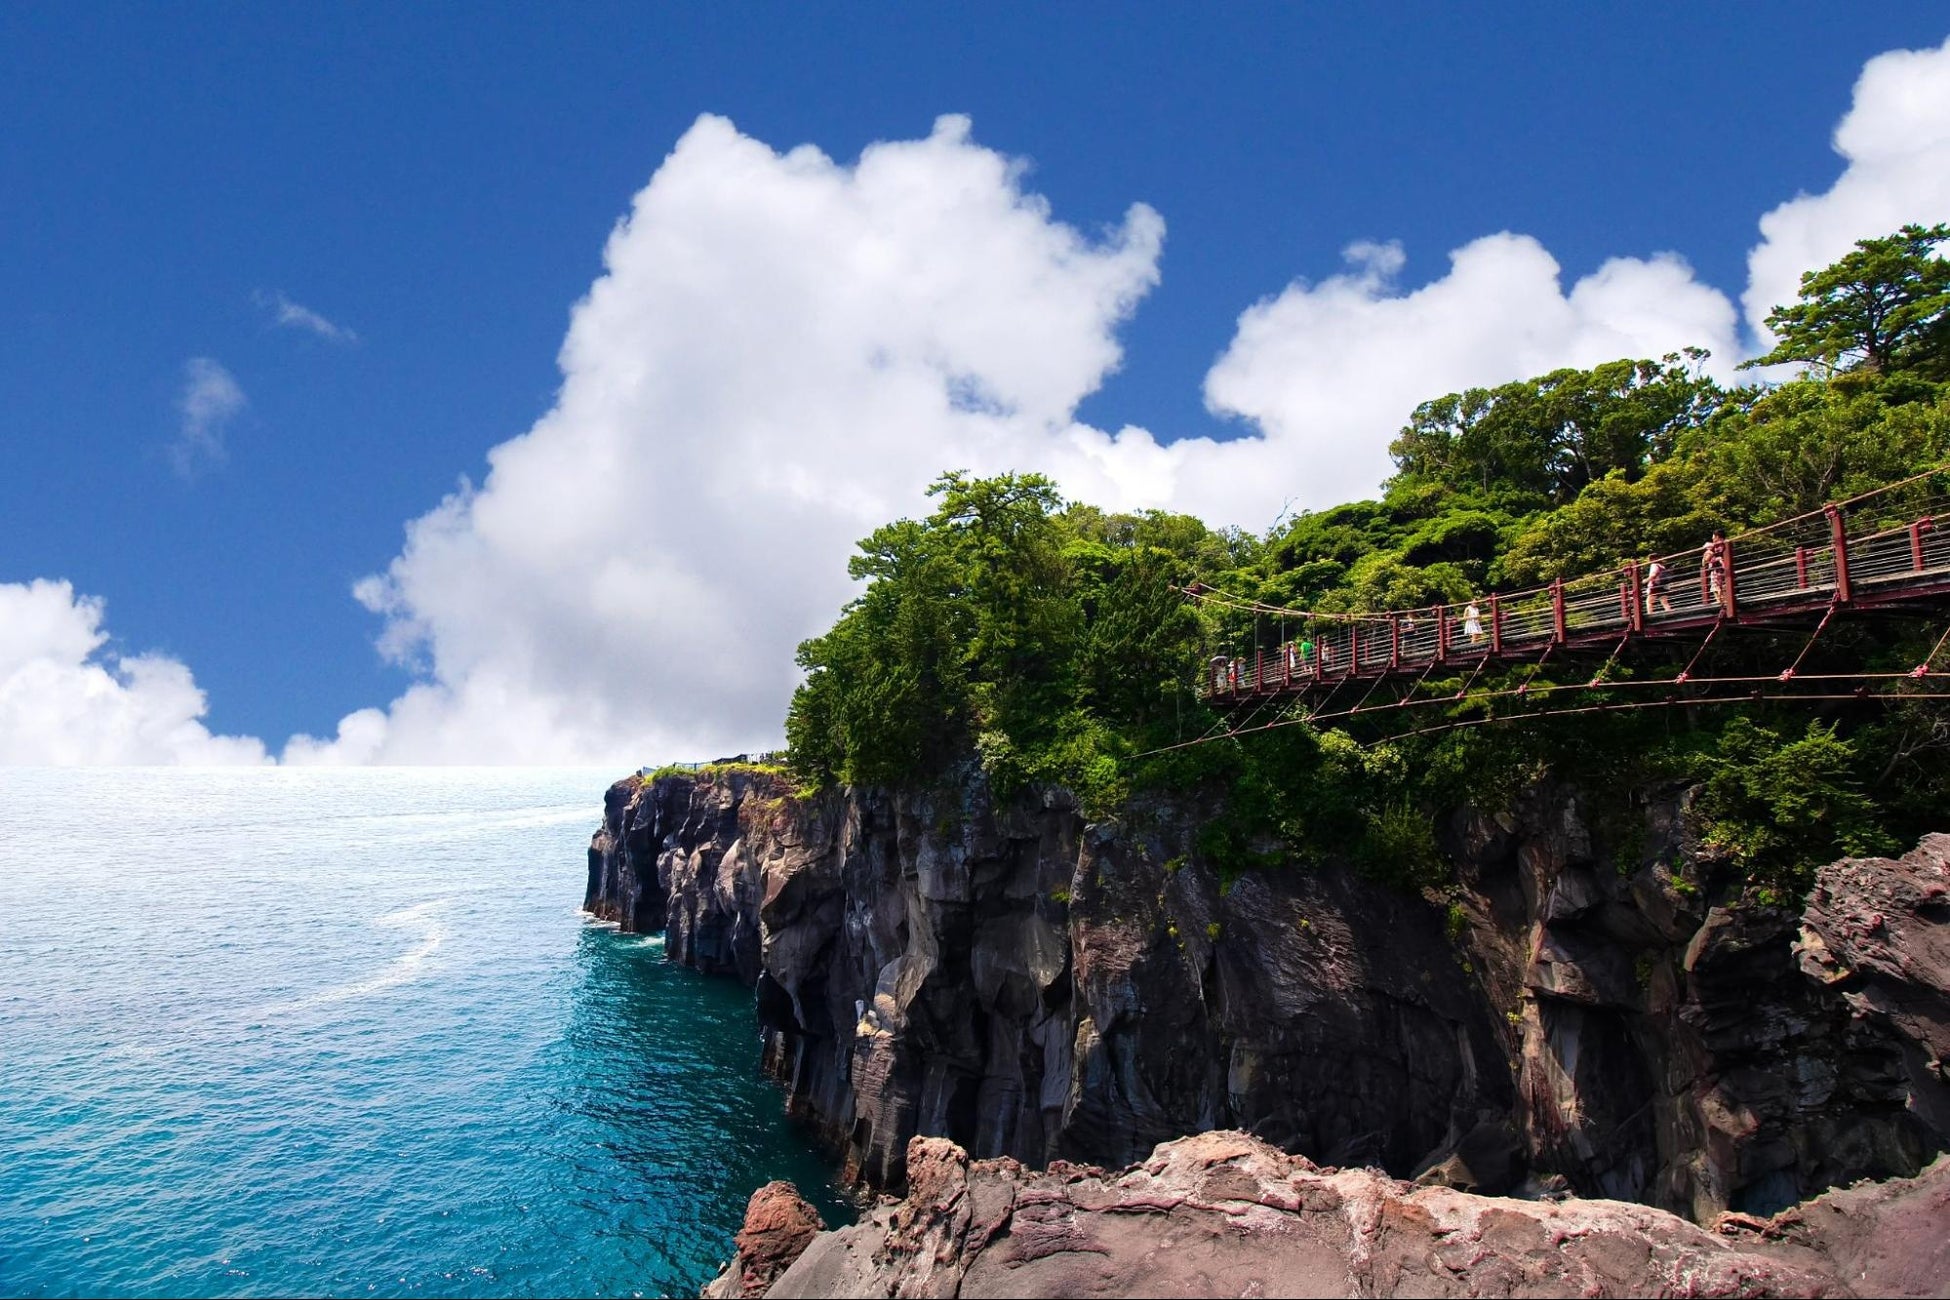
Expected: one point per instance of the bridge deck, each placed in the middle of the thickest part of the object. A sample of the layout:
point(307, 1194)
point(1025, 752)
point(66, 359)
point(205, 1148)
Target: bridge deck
point(1775, 576)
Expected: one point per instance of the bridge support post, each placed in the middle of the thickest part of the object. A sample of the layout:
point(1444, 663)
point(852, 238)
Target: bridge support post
point(1726, 588)
point(1394, 641)
point(1634, 599)
point(1838, 538)
point(1496, 626)
point(1801, 567)
point(1259, 670)
point(1442, 633)
point(1916, 542)
point(1557, 610)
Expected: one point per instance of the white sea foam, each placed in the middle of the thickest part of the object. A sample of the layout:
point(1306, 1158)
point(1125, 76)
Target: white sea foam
point(421, 916)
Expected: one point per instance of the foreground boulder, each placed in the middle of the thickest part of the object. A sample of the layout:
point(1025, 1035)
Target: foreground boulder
point(779, 1225)
point(1225, 1214)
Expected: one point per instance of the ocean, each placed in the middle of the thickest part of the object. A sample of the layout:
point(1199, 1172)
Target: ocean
point(283, 1031)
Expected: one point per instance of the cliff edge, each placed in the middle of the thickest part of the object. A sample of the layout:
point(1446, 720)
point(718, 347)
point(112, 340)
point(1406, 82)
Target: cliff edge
point(1577, 1012)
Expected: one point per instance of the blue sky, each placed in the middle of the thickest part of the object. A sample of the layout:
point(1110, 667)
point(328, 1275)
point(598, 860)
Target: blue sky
point(440, 180)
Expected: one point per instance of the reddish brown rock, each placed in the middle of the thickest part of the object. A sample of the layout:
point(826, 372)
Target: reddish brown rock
point(779, 1225)
point(1226, 1214)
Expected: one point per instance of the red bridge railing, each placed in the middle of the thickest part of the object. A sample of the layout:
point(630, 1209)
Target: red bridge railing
point(1883, 548)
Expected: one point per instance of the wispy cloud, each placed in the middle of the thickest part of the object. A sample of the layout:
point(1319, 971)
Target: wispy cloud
point(295, 315)
point(211, 399)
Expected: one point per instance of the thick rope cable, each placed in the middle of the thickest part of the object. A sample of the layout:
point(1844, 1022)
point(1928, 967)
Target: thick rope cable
point(1536, 668)
point(1753, 698)
point(1474, 673)
point(1686, 673)
point(1922, 670)
point(1416, 685)
point(1860, 693)
point(1271, 697)
point(1787, 674)
point(1379, 678)
point(1320, 708)
point(1552, 688)
point(1598, 675)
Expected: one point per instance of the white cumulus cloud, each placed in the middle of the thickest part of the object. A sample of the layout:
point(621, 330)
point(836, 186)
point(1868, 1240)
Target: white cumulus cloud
point(780, 354)
point(65, 699)
point(210, 400)
point(1896, 140)
point(1328, 372)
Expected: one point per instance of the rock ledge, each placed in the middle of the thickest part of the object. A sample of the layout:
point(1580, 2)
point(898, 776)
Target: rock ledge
point(1223, 1213)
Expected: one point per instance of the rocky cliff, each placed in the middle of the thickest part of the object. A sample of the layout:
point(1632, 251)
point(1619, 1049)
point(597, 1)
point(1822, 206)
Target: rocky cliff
point(1576, 1011)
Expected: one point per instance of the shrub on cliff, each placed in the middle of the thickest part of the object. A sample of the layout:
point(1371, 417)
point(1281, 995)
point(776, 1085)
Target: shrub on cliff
point(1782, 808)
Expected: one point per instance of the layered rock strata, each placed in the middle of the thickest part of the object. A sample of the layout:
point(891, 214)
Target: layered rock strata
point(1226, 1214)
point(1575, 1012)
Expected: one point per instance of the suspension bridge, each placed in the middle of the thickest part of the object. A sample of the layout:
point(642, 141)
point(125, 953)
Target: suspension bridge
point(1882, 550)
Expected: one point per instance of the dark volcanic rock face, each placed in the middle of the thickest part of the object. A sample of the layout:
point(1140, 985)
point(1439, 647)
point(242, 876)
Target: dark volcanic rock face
point(1322, 1012)
point(1709, 1058)
point(1032, 986)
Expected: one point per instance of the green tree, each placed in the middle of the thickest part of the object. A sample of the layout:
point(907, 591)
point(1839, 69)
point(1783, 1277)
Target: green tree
point(1883, 306)
point(1612, 521)
point(1552, 435)
point(1036, 638)
point(1781, 808)
point(1791, 448)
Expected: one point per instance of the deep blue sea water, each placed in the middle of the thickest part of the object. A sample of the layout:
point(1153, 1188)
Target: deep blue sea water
point(280, 1032)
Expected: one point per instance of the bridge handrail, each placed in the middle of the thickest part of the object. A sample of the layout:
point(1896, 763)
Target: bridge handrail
point(1619, 598)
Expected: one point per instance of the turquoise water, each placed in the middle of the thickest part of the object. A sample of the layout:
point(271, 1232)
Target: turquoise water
point(298, 1032)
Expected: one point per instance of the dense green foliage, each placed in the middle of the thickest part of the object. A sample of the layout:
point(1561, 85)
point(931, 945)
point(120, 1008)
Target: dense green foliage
point(1051, 642)
point(1883, 305)
point(1774, 804)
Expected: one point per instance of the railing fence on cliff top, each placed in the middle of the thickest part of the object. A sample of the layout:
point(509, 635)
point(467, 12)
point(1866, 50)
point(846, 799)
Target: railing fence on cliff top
point(761, 758)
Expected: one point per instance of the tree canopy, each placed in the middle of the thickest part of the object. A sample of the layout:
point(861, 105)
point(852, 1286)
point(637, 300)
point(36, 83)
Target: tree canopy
point(1883, 306)
point(1553, 435)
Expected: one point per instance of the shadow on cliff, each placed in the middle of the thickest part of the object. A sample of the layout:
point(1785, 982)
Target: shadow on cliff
point(1005, 975)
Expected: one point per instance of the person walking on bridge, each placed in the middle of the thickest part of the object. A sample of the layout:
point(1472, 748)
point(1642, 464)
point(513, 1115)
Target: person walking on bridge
point(1713, 568)
point(1656, 574)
